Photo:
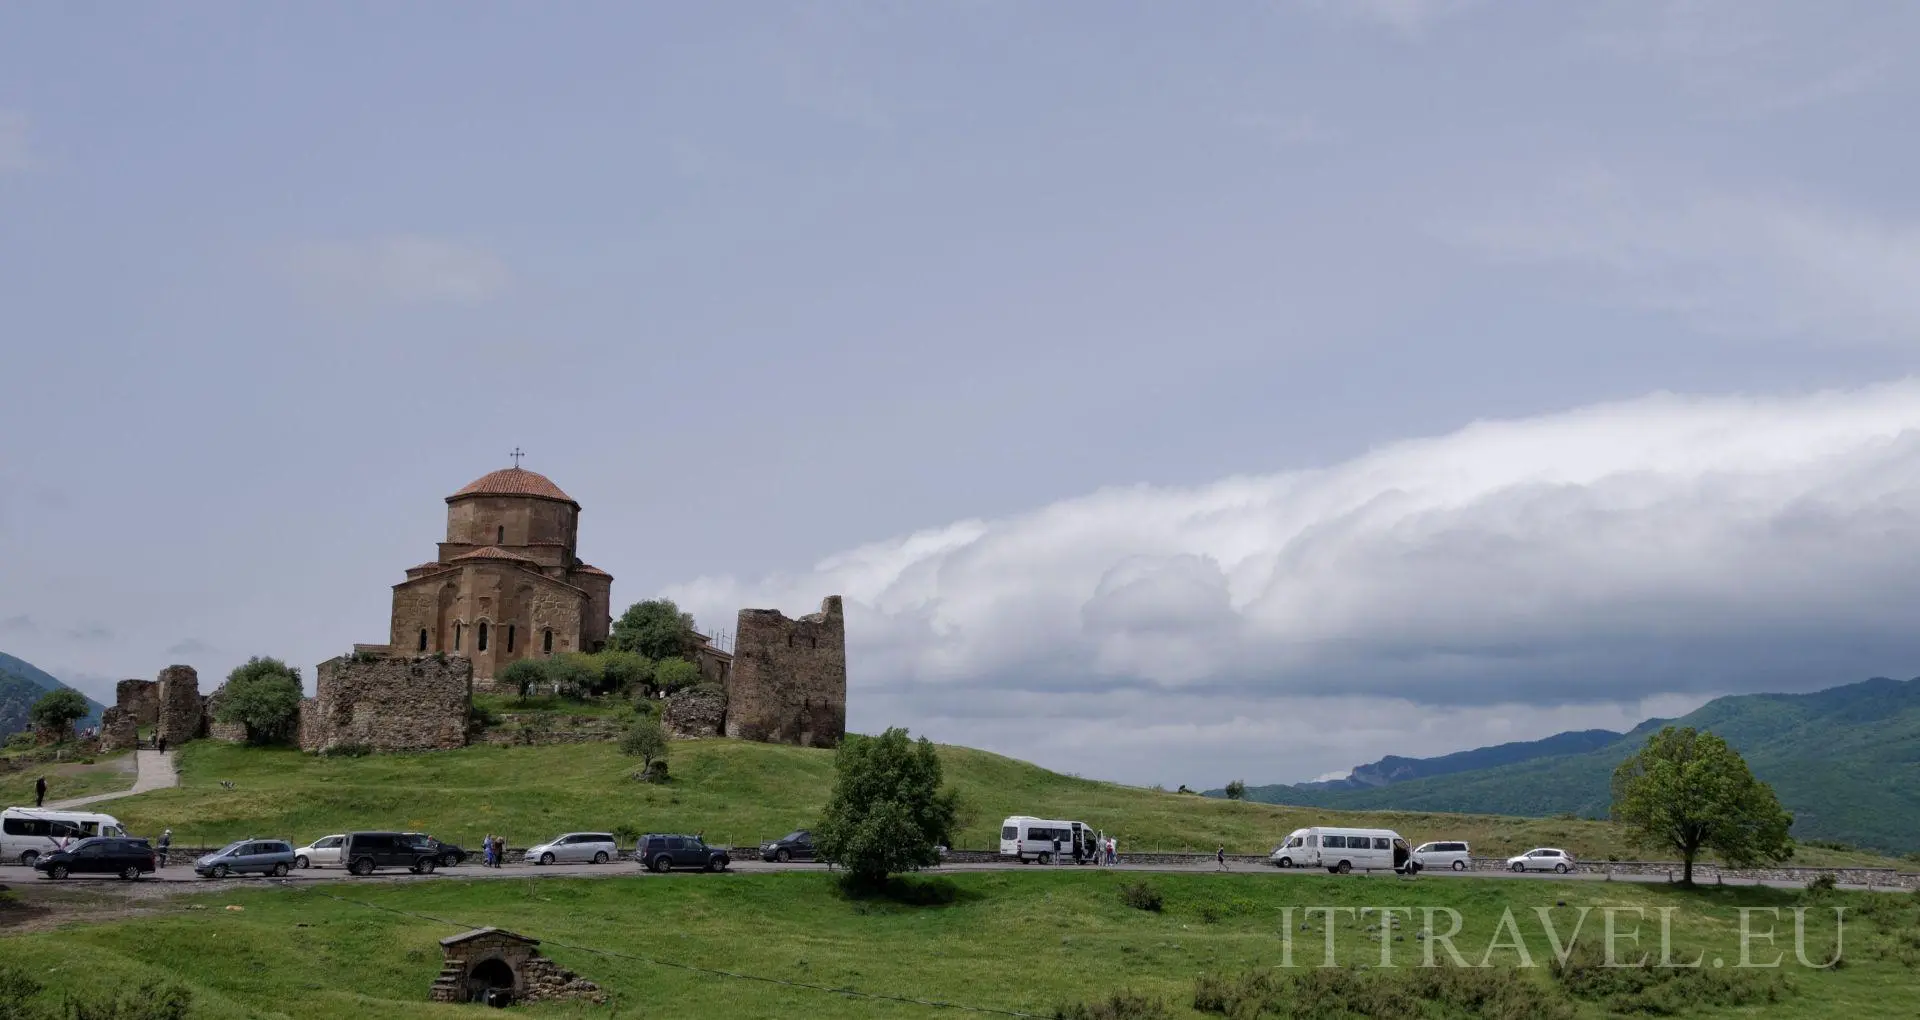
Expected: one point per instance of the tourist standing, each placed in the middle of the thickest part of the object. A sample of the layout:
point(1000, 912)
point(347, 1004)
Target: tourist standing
point(40, 791)
point(486, 851)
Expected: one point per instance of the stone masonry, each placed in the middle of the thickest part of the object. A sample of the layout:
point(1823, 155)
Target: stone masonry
point(183, 714)
point(495, 962)
point(694, 713)
point(388, 703)
point(788, 682)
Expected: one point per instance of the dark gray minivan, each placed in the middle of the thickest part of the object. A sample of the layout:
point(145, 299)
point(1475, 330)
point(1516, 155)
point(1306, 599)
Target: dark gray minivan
point(365, 851)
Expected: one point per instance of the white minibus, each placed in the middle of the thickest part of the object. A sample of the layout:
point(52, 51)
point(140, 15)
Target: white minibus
point(1341, 850)
point(26, 833)
point(1033, 839)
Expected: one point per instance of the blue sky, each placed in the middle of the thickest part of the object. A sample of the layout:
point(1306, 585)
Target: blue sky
point(1165, 330)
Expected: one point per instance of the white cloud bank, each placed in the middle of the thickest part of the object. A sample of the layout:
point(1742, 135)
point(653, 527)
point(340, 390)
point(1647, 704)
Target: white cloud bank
point(1502, 582)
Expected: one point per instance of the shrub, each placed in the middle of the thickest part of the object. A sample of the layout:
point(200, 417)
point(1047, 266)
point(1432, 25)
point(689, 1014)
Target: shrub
point(1626, 987)
point(646, 740)
point(482, 716)
point(1118, 1006)
point(672, 675)
point(522, 677)
point(573, 675)
point(1142, 896)
point(623, 671)
point(152, 1000)
point(1823, 883)
point(626, 833)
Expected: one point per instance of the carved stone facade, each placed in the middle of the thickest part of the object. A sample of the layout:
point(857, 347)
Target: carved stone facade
point(507, 584)
point(788, 681)
point(388, 703)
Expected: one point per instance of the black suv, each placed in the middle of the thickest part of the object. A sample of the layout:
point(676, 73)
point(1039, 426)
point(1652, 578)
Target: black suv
point(365, 851)
point(664, 852)
point(448, 854)
point(794, 846)
point(101, 855)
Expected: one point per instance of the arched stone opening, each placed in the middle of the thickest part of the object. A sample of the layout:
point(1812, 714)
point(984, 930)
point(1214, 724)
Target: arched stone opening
point(492, 981)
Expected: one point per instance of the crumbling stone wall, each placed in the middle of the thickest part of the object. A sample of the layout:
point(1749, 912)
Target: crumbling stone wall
point(136, 703)
point(788, 682)
point(388, 703)
point(695, 713)
point(473, 962)
point(182, 712)
point(232, 732)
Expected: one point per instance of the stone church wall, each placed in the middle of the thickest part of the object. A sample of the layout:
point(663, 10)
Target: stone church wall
point(182, 712)
point(788, 683)
point(388, 703)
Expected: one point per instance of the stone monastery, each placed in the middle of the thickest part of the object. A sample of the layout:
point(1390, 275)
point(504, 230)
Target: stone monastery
point(508, 585)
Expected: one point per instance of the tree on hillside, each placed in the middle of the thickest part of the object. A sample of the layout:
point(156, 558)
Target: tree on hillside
point(521, 676)
point(623, 671)
point(1688, 791)
point(57, 711)
point(646, 740)
point(1237, 790)
point(672, 675)
point(888, 812)
point(262, 694)
point(656, 629)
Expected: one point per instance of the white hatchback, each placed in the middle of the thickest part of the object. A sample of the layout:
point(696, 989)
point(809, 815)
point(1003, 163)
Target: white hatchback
point(1542, 859)
point(1451, 855)
point(321, 853)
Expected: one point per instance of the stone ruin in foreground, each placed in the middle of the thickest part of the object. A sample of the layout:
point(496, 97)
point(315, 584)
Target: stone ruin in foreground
point(497, 967)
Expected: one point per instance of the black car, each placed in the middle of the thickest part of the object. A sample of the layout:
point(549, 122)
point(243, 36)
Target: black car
point(794, 846)
point(449, 855)
point(665, 852)
point(102, 855)
point(365, 851)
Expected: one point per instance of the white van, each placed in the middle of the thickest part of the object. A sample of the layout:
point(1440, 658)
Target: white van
point(1032, 839)
point(26, 833)
point(1342, 850)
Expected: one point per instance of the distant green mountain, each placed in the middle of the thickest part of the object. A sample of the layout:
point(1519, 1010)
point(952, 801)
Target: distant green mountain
point(21, 684)
point(1845, 761)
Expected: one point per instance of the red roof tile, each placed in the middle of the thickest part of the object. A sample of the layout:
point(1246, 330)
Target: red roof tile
point(513, 481)
point(588, 568)
point(491, 552)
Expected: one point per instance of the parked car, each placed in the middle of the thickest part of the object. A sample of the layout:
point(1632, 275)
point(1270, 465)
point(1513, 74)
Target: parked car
point(1542, 859)
point(794, 846)
point(450, 855)
point(576, 848)
point(101, 855)
point(321, 853)
point(262, 856)
point(667, 851)
point(366, 851)
point(1444, 854)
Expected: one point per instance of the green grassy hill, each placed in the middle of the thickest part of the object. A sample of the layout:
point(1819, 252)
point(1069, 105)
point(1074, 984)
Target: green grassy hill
point(1845, 761)
point(734, 792)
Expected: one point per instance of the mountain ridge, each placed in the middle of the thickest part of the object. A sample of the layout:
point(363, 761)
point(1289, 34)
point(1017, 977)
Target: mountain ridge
point(21, 684)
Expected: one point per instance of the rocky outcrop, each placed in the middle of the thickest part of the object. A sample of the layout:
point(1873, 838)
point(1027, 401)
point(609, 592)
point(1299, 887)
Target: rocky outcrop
point(695, 713)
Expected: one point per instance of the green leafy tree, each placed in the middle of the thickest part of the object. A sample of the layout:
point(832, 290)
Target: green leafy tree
point(888, 813)
point(646, 740)
point(656, 629)
point(623, 671)
point(672, 675)
point(1237, 790)
point(574, 675)
point(1688, 791)
point(262, 694)
point(57, 711)
point(522, 676)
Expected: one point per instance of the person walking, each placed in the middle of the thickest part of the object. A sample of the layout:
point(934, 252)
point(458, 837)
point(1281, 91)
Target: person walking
point(1220, 857)
point(486, 851)
point(40, 791)
point(160, 743)
point(166, 841)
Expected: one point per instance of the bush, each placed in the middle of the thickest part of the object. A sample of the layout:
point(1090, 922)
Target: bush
point(482, 716)
point(1141, 896)
point(1823, 883)
point(1647, 988)
point(573, 675)
point(522, 677)
point(1119, 1006)
point(674, 675)
point(152, 1000)
point(623, 671)
point(627, 833)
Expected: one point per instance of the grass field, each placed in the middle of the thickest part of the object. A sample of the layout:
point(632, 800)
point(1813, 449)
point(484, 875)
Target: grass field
point(107, 774)
point(740, 792)
point(1028, 941)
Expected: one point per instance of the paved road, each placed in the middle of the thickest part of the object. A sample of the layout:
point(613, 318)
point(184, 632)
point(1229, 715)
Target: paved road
point(183, 873)
point(153, 771)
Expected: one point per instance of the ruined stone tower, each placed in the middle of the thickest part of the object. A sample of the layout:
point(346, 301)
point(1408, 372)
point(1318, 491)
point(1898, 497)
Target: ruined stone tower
point(788, 683)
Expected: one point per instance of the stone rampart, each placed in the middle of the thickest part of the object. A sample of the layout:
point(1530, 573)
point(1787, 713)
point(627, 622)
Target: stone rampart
point(182, 713)
point(788, 680)
point(388, 703)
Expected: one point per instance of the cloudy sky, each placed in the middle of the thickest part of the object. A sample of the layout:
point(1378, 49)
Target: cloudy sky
point(1175, 395)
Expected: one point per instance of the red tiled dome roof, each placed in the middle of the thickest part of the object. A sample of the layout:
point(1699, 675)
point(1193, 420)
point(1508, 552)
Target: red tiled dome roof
point(491, 552)
point(514, 481)
point(588, 568)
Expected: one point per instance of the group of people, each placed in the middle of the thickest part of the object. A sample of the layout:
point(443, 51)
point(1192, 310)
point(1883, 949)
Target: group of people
point(493, 850)
point(1103, 851)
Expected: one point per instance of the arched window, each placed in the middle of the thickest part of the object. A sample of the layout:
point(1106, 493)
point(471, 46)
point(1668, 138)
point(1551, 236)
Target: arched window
point(500, 535)
point(423, 639)
point(480, 639)
point(456, 637)
point(546, 641)
point(509, 637)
